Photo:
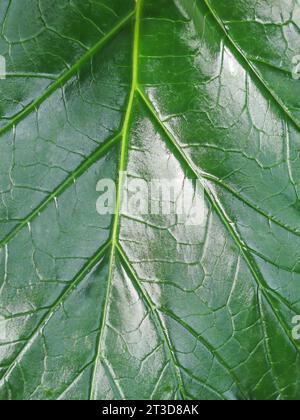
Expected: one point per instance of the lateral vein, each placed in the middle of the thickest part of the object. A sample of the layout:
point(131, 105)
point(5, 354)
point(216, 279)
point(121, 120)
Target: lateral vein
point(159, 323)
point(67, 75)
point(82, 168)
point(275, 97)
point(224, 219)
point(77, 280)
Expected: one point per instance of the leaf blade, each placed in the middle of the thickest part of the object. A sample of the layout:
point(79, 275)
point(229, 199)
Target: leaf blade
point(146, 307)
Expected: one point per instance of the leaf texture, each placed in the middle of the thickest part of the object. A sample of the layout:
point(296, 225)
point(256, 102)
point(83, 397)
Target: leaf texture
point(124, 307)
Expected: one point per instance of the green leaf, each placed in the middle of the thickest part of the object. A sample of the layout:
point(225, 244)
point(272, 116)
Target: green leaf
point(127, 307)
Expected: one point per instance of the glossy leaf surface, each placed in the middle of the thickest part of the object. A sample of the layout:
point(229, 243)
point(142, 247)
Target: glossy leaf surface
point(126, 307)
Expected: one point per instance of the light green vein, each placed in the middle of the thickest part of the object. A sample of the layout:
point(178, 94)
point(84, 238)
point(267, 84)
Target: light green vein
point(122, 167)
point(68, 290)
point(159, 323)
point(68, 74)
point(82, 168)
point(266, 345)
point(62, 394)
point(237, 48)
point(155, 310)
point(223, 217)
point(246, 201)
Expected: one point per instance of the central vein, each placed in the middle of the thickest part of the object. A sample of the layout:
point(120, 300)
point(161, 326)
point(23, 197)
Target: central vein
point(122, 168)
point(126, 126)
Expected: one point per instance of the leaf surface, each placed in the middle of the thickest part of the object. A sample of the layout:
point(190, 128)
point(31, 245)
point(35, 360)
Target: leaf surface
point(127, 307)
